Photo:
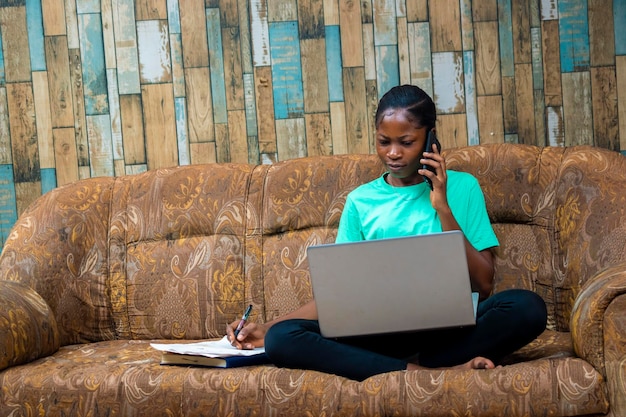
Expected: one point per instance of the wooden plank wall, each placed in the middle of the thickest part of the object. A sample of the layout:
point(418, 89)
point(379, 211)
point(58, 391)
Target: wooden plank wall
point(114, 87)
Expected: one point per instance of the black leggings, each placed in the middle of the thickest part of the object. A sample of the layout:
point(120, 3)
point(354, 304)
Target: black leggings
point(505, 322)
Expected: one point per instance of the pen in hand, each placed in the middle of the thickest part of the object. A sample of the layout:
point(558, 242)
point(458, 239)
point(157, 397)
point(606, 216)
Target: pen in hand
point(245, 316)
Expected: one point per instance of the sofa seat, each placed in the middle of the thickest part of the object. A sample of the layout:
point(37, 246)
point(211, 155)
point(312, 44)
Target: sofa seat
point(124, 378)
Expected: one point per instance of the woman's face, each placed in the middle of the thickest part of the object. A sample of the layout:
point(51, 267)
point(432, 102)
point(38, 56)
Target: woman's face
point(399, 144)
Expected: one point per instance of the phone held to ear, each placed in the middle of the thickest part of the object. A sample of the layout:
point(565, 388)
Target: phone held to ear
point(432, 139)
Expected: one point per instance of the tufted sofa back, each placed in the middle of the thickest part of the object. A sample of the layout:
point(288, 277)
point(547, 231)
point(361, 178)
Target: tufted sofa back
point(178, 253)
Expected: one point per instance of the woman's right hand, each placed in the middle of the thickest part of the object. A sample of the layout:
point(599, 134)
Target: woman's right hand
point(251, 336)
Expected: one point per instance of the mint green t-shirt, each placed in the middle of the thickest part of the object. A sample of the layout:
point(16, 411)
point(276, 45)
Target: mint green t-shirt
point(377, 210)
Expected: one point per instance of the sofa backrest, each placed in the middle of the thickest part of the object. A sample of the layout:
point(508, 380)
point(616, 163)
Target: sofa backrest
point(178, 253)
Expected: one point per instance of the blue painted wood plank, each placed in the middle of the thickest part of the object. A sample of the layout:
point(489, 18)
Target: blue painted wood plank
point(286, 70)
point(387, 68)
point(574, 35)
point(619, 23)
point(505, 31)
point(333, 63)
point(94, 69)
point(471, 107)
point(537, 60)
point(216, 64)
point(3, 79)
point(48, 179)
point(8, 207)
point(126, 51)
point(173, 16)
point(34, 23)
point(181, 131)
point(87, 6)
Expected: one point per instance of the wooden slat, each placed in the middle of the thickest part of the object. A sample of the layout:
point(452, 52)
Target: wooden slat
point(150, 9)
point(540, 118)
point(385, 26)
point(331, 12)
point(71, 24)
point(471, 110)
point(203, 153)
point(311, 19)
point(551, 63)
point(65, 155)
point(574, 35)
point(602, 32)
point(577, 108)
point(252, 128)
point(509, 105)
point(367, 12)
point(467, 25)
point(43, 119)
point(94, 75)
point(160, 125)
point(237, 137)
point(48, 179)
point(403, 51)
point(23, 130)
point(100, 145)
point(216, 62)
point(115, 115)
point(265, 109)
point(521, 31)
point(8, 207)
point(555, 126)
point(26, 193)
point(505, 35)
point(549, 10)
point(604, 107)
point(194, 35)
point(452, 130)
point(5, 137)
point(351, 33)
point(178, 72)
point(228, 13)
point(132, 129)
point(372, 96)
point(126, 46)
point(619, 19)
point(387, 75)
point(535, 36)
point(444, 26)
point(338, 127)
point(233, 72)
point(58, 63)
point(488, 77)
point(369, 52)
point(420, 61)
point(525, 104)
point(173, 16)
point(357, 135)
point(291, 138)
point(15, 39)
point(282, 11)
point(78, 99)
point(106, 13)
point(417, 10)
point(259, 29)
point(199, 105)
point(286, 71)
point(222, 148)
point(490, 119)
point(314, 76)
point(88, 6)
point(318, 134)
point(333, 64)
point(484, 10)
point(182, 137)
point(34, 23)
point(53, 12)
point(154, 52)
point(449, 95)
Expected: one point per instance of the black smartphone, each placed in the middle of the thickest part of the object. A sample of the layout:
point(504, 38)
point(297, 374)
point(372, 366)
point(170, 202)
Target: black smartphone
point(432, 139)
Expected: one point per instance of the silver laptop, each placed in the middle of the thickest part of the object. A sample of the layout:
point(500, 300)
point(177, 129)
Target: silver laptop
point(392, 285)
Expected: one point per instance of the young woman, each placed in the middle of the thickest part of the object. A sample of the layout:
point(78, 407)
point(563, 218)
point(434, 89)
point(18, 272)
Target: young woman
point(401, 203)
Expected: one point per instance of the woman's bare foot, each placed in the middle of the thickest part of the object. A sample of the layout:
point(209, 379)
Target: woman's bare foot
point(478, 362)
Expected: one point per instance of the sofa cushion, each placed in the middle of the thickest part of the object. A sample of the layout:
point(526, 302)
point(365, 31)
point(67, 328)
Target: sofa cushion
point(125, 378)
point(28, 329)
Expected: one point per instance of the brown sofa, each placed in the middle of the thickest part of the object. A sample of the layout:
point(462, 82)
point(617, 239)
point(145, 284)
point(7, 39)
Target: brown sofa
point(94, 271)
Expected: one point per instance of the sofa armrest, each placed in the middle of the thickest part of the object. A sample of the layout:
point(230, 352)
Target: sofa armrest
point(588, 315)
point(28, 330)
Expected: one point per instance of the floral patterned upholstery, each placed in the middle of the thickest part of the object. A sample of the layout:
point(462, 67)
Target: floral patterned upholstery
point(94, 271)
